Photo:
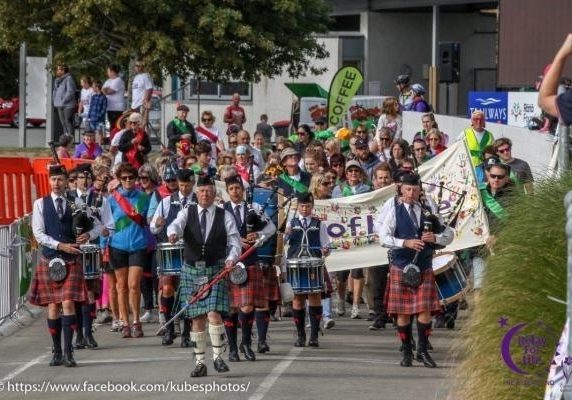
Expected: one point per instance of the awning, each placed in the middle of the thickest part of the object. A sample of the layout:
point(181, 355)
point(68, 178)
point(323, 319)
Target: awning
point(307, 90)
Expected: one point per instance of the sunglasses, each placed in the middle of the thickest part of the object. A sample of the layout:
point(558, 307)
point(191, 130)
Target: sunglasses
point(72, 180)
point(329, 183)
point(502, 151)
point(138, 65)
point(336, 165)
point(302, 133)
point(232, 143)
point(133, 123)
point(207, 119)
point(144, 178)
point(385, 139)
point(494, 176)
point(353, 171)
point(127, 178)
point(360, 131)
point(420, 149)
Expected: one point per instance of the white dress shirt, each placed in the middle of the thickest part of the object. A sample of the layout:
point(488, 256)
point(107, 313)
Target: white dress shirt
point(39, 228)
point(163, 210)
point(233, 244)
point(268, 230)
point(385, 225)
point(324, 237)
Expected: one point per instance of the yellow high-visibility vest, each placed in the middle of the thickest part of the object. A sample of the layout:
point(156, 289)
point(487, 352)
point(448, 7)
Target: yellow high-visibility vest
point(476, 148)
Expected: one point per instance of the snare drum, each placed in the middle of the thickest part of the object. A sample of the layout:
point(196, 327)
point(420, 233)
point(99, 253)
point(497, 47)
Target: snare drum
point(169, 258)
point(450, 278)
point(91, 261)
point(306, 275)
point(269, 200)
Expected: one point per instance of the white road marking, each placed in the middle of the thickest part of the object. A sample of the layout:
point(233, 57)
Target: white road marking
point(26, 366)
point(275, 374)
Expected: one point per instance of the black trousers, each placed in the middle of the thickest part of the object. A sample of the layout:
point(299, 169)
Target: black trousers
point(378, 279)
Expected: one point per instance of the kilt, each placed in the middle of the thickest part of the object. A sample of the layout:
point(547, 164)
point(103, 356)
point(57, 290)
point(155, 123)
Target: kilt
point(251, 292)
point(94, 285)
point(271, 287)
point(169, 280)
point(44, 291)
point(217, 299)
point(401, 299)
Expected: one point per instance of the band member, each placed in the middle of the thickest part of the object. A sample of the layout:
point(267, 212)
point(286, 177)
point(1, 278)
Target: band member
point(205, 250)
point(165, 214)
point(306, 227)
point(58, 279)
point(243, 298)
point(406, 231)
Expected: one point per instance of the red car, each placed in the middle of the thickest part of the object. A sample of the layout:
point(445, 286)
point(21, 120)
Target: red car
point(9, 114)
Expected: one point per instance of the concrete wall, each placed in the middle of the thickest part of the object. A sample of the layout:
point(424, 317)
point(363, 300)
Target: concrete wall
point(396, 42)
point(531, 146)
point(269, 96)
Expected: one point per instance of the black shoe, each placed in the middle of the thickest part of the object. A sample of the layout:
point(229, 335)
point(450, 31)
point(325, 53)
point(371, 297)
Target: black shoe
point(425, 358)
point(90, 342)
point(377, 325)
point(168, 337)
point(80, 342)
point(313, 343)
point(300, 342)
point(69, 361)
point(200, 370)
point(247, 351)
point(185, 341)
point(439, 323)
point(450, 322)
point(407, 360)
point(370, 317)
point(220, 365)
point(263, 347)
point(57, 359)
point(233, 355)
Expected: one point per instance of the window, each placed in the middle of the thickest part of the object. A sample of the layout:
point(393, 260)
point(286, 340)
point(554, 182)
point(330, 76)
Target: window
point(209, 90)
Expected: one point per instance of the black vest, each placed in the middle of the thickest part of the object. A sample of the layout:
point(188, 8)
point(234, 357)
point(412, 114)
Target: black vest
point(60, 230)
point(215, 246)
point(174, 208)
point(253, 258)
point(295, 241)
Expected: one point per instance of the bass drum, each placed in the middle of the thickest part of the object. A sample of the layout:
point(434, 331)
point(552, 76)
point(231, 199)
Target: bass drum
point(268, 199)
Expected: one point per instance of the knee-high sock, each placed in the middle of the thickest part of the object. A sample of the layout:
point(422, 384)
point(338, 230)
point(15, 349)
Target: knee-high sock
point(299, 317)
point(79, 319)
point(262, 322)
point(231, 327)
point(200, 341)
point(315, 318)
point(186, 327)
point(88, 314)
point(404, 333)
point(423, 332)
point(246, 321)
point(55, 329)
point(216, 333)
point(68, 326)
point(167, 308)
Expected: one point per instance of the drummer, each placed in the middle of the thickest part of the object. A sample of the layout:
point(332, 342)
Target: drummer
point(318, 243)
point(403, 230)
point(243, 298)
point(166, 213)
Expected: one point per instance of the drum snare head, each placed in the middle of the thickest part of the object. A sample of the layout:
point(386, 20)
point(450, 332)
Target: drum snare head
point(443, 262)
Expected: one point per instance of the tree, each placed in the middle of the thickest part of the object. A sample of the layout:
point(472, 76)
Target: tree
point(217, 40)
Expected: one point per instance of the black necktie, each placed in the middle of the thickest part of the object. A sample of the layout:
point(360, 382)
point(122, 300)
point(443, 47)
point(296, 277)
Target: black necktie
point(238, 216)
point(60, 207)
point(204, 223)
point(413, 216)
point(183, 202)
point(304, 223)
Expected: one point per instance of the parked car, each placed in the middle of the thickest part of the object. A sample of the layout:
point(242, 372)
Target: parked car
point(9, 113)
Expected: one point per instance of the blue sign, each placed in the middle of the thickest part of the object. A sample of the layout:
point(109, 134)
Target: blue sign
point(493, 104)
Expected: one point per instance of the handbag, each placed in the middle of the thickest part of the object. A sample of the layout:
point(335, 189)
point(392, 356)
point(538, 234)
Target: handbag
point(412, 274)
point(57, 269)
point(238, 275)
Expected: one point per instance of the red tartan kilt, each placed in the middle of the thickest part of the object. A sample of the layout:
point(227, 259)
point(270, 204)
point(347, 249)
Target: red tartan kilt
point(249, 293)
point(403, 300)
point(271, 283)
point(44, 291)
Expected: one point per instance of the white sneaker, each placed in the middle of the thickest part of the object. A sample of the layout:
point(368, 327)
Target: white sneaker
point(147, 317)
point(116, 325)
point(329, 323)
point(355, 312)
point(341, 308)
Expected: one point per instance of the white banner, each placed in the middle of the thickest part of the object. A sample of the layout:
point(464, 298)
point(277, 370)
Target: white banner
point(522, 107)
point(351, 219)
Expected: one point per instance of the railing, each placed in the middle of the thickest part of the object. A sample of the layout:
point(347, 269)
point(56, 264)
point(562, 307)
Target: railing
point(18, 255)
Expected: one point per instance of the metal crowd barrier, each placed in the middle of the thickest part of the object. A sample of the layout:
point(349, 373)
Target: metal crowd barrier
point(18, 255)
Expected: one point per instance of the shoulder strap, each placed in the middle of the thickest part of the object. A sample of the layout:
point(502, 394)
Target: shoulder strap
point(491, 203)
point(296, 185)
point(212, 137)
point(128, 208)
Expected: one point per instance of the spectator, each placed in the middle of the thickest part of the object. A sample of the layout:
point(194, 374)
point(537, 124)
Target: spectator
point(520, 172)
point(366, 159)
point(390, 118)
point(435, 141)
point(418, 102)
point(405, 96)
point(89, 149)
point(114, 89)
point(64, 98)
point(264, 128)
point(234, 114)
point(338, 165)
point(209, 132)
point(243, 137)
point(292, 180)
point(311, 163)
point(305, 136)
point(180, 129)
point(244, 163)
point(141, 90)
point(382, 145)
point(97, 109)
point(134, 143)
point(203, 151)
point(331, 147)
point(420, 151)
point(64, 145)
point(399, 152)
point(85, 98)
point(549, 100)
point(477, 137)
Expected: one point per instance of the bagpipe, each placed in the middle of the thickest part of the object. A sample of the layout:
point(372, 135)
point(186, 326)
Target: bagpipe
point(254, 219)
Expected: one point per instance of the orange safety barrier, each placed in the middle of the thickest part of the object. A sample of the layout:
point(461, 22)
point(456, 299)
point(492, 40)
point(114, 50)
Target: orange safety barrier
point(15, 188)
point(41, 178)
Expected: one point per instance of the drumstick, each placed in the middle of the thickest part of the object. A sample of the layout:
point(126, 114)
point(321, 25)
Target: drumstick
point(204, 289)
